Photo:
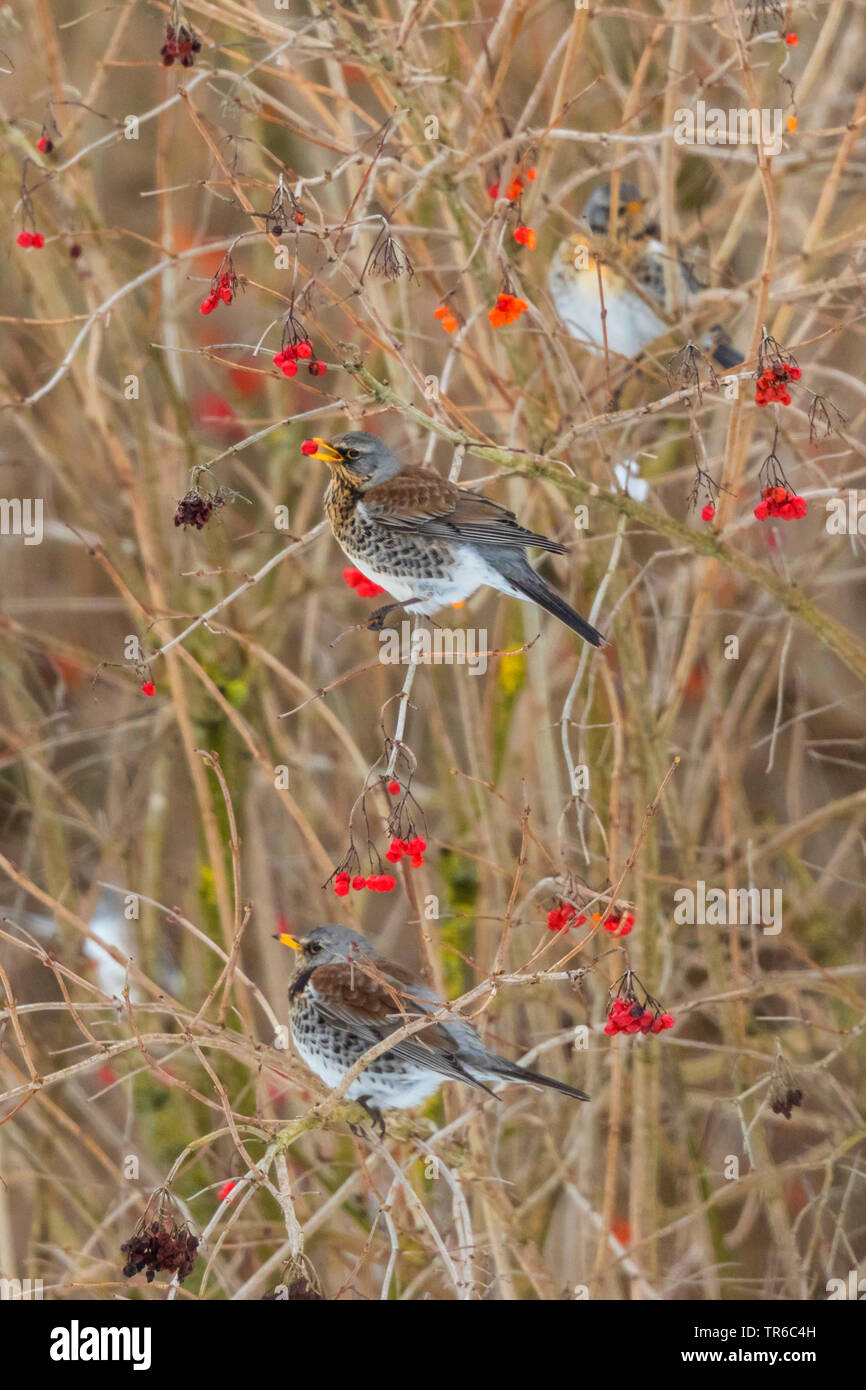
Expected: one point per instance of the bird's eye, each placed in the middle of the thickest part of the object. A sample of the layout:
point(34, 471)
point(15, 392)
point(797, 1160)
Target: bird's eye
point(314, 948)
point(351, 453)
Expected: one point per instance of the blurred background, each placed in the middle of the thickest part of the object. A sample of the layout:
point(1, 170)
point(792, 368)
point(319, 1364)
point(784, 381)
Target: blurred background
point(152, 843)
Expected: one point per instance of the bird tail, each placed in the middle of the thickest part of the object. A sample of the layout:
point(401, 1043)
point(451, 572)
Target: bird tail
point(511, 1071)
point(724, 351)
point(531, 586)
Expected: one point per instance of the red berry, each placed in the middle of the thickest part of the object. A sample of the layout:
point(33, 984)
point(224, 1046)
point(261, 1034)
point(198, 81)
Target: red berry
point(708, 512)
point(359, 882)
point(304, 349)
point(25, 238)
point(393, 788)
point(317, 369)
point(417, 861)
point(226, 1190)
point(44, 145)
point(791, 40)
point(289, 369)
point(388, 883)
point(148, 688)
point(309, 446)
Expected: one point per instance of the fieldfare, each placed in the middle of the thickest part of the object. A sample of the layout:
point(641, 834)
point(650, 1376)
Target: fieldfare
point(633, 281)
point(344, 997)
point(426, 540)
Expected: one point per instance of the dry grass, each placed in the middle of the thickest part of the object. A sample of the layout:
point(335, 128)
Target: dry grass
point(150, 1038)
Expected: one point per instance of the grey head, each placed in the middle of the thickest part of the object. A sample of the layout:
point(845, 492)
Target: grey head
point(366, 457)
point(331, 943)
point(631, 207)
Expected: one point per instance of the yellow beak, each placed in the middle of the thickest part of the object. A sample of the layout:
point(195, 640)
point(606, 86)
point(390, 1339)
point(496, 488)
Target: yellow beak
point(325, 452)
point(286, 940)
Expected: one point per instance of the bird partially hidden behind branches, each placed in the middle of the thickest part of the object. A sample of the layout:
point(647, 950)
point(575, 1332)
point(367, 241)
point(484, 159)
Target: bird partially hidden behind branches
point(426, 540)
point(344, 997)
point(631, 265)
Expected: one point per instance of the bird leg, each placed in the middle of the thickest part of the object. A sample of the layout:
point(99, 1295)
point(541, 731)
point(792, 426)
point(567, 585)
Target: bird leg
point(376, 620)
point(375, 1115)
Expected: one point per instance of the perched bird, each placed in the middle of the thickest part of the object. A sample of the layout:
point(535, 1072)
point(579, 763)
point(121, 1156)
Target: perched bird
point(344, 997)
point(426, 540)
point(633, 281)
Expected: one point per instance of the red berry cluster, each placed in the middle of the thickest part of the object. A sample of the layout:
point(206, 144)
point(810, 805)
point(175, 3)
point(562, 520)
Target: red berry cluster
point(562, 917)
point(379, 883)
point(781, 502)
point(364, 587)
point(223, 288)
point(620, 924)
point(180, 43)
point(288, 357)
point(773, 382)
point(34, 239)
point(414, 848)
point(630, 1014)
point(628, 1017)
point(565, 916)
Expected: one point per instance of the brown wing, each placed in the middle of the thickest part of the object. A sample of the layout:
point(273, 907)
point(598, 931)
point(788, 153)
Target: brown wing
point(419, 499)
point(375, 998)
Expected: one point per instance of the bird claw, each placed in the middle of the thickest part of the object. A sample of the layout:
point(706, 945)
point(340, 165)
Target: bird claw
point(375, 1115)
point(376, 620)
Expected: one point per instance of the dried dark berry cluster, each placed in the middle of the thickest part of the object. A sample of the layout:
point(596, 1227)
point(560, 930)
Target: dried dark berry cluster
point(784, 1102)
point(160, 1245)
point(180, 42)
point(195, 509)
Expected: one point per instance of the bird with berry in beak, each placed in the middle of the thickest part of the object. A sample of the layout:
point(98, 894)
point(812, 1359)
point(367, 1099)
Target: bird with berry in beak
point(344, 998)
point(426, 540)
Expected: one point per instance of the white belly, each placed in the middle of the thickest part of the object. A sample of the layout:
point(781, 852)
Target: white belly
point(391, 1090)
point(631, 323)
point(466, 574)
